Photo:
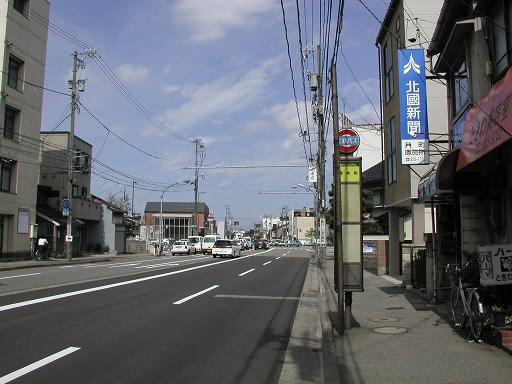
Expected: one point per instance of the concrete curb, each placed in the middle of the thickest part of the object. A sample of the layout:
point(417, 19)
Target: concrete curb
point(303, 361)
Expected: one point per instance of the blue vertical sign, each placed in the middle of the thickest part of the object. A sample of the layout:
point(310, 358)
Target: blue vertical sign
point(413, 106)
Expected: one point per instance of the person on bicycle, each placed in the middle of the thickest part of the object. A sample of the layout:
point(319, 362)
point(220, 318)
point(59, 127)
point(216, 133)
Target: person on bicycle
point(42, 245)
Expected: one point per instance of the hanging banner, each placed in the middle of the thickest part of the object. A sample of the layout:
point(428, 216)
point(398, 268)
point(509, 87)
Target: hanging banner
point(413, 106)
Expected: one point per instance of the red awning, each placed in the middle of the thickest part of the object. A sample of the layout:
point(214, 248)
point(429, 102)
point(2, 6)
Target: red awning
point(488, 124)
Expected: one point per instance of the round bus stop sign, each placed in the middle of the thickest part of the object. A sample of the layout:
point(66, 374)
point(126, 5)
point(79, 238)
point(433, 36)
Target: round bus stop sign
point(348, 140)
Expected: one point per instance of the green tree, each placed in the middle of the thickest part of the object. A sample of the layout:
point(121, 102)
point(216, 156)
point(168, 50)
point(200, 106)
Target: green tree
point(368, 228)
point(310, 234)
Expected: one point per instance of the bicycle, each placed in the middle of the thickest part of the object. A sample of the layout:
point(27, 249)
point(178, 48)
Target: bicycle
point(466, 303)
point(41, 254)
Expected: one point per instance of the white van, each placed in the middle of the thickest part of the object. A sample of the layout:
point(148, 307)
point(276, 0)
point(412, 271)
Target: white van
point(208, 242)
point(197, 242)
point(249, 242)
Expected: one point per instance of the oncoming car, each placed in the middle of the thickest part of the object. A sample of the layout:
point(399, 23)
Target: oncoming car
point(226, 247)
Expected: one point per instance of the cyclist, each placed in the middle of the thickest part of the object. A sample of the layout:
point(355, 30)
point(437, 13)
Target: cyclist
point(42, 248)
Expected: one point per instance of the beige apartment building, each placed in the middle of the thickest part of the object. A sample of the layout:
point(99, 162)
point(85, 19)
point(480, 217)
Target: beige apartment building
point(23, 56)
point(408, 24)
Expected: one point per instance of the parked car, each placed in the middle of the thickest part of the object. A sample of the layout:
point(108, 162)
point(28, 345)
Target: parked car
point(208, 242)
point(260, 244)
point(137, 238)
point(281, 243)
point(226, 247)
point(295, 243)
point(182, 246)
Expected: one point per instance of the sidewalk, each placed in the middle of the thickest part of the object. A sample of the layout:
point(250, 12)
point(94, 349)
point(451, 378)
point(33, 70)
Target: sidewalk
point(397, 337)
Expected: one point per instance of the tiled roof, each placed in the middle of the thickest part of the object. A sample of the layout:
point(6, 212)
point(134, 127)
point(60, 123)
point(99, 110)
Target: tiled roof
point(375, 173)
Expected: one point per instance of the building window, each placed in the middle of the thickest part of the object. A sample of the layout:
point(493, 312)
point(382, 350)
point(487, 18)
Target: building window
point(75, 191)
point(11, 120)
point(397, 24)
point(388, 71)
point(15, 70)
point(19, 5)
point(84, 192)
point(391, 150)
point(502, 40)
point(460, 88)
point(6, 167)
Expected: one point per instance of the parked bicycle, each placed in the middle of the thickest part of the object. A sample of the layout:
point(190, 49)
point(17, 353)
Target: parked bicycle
point(465, 300)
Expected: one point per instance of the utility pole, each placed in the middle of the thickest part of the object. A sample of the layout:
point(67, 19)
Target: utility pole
point(75, 86)
point(320, 211)
point(338, 237)
point(199, 148)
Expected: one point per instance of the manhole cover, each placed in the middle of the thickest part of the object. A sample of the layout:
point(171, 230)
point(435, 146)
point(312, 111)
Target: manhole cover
point(384, 319)
point(390, 330)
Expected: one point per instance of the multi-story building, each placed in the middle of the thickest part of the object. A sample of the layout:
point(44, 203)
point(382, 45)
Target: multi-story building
point(408, 24)
point(175, 219)
point(23, 57)
point(471, 187)
point(55, 184)
point(302, 225)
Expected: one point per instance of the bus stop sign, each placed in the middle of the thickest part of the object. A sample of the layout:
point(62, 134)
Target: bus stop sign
point(348, 140)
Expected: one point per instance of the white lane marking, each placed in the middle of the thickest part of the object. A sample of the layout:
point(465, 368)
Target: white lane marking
point(246, 272)
point(196, 294)
point(277, 258)
point(114, 285)
point(268, 262)
point(124, 265)
point(12, 277)
point(38, 364)
point(157, 265)
point(259, 297)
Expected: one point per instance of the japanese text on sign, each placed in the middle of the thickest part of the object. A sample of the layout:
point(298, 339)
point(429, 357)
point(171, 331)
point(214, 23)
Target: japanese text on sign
point(495, 264)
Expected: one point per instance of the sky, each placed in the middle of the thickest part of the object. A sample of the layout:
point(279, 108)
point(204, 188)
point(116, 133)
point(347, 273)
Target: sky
point(227, 72)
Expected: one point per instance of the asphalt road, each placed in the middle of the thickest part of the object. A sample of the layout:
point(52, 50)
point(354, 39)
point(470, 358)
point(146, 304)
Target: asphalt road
point(180, 319)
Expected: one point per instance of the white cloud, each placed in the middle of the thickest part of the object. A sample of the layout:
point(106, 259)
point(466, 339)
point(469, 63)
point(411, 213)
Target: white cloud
point(220, 98)
point(132, 73)
point(210, 20)
point(168, 89)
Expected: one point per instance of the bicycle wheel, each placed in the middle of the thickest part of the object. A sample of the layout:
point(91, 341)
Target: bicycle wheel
point(476, 314)
point(457, 308)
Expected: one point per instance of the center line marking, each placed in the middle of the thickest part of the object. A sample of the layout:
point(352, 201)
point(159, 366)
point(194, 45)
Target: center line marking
point(268, 262)
point(246, 272)
point(38, 364)
point(195, 295)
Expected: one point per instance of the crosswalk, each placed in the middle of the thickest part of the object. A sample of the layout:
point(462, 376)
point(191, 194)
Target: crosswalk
point(158, 262)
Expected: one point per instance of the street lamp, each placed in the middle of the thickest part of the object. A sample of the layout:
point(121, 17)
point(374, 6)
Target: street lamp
point(162, 202)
